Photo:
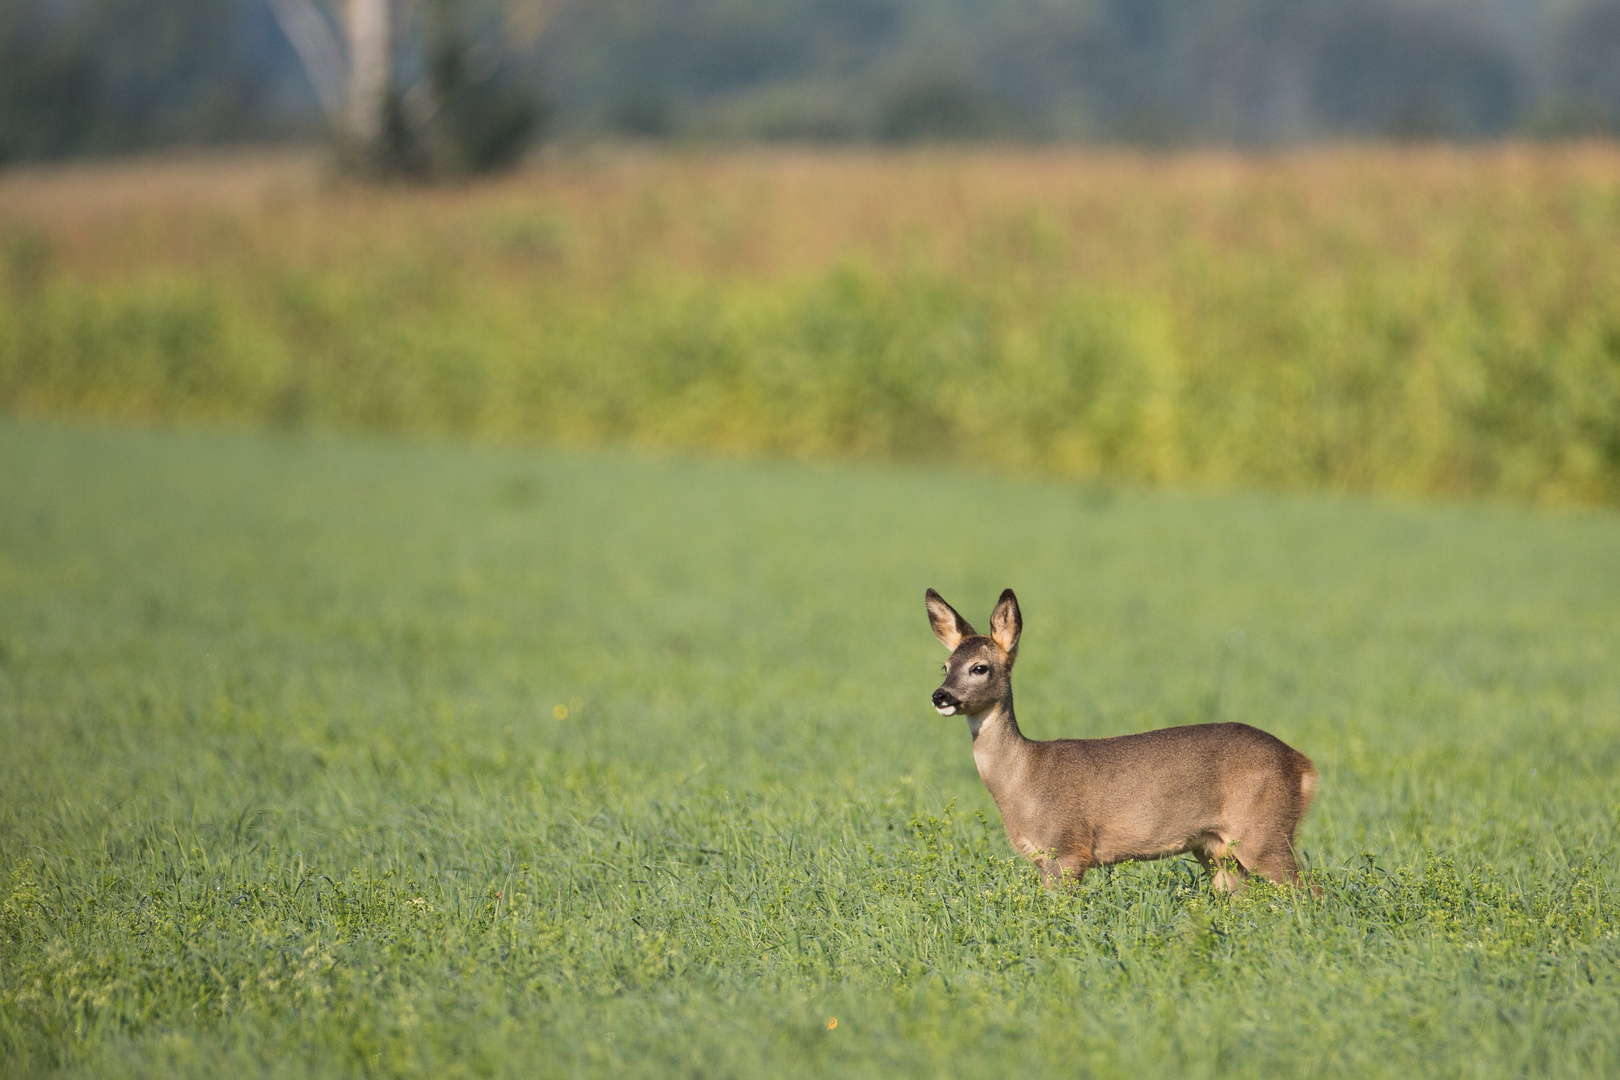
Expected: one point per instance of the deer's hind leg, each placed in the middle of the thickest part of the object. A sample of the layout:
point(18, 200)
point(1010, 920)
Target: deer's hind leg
point(1271, 854)
point(1276, 861)
point(1227, 871)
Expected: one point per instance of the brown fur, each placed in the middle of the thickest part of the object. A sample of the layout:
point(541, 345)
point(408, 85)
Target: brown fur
point(1230, 794)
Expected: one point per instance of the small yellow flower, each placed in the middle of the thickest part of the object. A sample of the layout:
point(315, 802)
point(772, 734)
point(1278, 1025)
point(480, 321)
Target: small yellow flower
point(832, 1022)
point(560, 711)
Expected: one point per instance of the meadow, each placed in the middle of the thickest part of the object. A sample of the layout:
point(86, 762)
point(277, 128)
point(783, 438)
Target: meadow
point(327, 755)
point(1428, 321)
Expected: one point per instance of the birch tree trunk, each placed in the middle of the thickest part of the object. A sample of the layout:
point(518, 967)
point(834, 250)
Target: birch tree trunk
point(370, 52)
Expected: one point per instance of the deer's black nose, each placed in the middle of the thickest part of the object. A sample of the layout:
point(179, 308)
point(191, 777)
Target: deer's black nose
point(943, 698)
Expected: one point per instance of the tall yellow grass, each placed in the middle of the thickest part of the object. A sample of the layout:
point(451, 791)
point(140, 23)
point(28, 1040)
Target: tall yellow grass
point(1421, 320)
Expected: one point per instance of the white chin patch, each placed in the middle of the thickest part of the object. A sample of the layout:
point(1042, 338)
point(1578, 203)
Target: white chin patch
point(945, 710)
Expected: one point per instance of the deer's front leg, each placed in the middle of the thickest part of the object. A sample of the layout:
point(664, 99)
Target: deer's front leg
point(1063, 871)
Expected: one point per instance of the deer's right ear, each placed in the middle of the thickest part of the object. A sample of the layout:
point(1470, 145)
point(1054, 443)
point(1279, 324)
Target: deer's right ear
point(1006, 624)
point(948, 626)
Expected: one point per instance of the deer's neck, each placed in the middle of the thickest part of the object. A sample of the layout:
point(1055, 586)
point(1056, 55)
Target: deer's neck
point(999, 749)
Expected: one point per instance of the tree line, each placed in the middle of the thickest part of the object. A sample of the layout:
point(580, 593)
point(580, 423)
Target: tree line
point(468, 82)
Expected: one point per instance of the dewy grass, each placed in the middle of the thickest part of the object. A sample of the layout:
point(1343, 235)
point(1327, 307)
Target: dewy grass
point(1415, 321)
point(343, 758)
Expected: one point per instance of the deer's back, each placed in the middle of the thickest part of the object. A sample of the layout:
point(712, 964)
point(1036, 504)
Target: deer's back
point(1196, 750)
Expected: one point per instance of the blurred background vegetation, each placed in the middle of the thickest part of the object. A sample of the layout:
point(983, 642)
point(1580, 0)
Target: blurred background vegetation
point(86, 76)
point(1325, 262)
point(1430, 321)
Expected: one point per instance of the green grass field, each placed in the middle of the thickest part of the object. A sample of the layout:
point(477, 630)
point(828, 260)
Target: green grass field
point(284, 791)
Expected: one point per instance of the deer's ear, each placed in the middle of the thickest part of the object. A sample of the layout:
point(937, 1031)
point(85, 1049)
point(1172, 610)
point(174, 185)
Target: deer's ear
point(1006, 623)
point(948, 626)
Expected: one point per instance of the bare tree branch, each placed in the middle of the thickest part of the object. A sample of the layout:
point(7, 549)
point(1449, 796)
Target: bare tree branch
point(317, 46)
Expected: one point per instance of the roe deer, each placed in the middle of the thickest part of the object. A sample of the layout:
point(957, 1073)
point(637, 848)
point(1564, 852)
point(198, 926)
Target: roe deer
point(1229, 793)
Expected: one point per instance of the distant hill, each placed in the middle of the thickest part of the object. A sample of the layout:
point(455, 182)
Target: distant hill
point(106, 75)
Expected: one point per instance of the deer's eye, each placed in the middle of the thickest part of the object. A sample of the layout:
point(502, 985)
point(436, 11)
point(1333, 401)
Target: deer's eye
point(979, 669)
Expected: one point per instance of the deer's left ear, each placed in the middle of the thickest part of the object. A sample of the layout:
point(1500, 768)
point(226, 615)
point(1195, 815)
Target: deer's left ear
point(948, 626)
point(1006, 623)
